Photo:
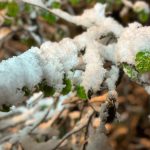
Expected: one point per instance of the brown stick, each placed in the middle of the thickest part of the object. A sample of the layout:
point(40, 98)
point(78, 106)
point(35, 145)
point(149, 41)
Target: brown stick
point(98, 99)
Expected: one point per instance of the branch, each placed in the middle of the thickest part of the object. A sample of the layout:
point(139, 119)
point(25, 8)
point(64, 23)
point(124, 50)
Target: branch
point(53, 61)
point(80, 125)
point(87, 19)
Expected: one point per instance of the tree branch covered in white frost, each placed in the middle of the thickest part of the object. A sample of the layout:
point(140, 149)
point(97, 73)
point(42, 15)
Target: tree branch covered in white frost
point(52, 61)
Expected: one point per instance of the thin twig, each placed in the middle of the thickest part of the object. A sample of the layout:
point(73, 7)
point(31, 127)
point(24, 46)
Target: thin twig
point(54, 118)
point(42, 119)
point(86, 132)
point(82, 124)
point(98, 99)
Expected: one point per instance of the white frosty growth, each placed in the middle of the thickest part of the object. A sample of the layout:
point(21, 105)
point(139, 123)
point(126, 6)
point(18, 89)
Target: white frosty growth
point(58, 58)
point(92, 16)
point(135, 38)
point(53, 60)
point(113, 75)
point(18, 72)
point(94, 72)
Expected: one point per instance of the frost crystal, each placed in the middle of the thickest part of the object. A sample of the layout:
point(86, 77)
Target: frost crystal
point(135, 38)
point(92, 16)
point(58, 58)
point(94, 72)
point(17, 72)
point(113, 75)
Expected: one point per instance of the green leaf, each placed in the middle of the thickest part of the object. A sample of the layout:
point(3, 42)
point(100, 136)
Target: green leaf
point(8, 22)
point(12, 9)
point(74, 2)
point(56, 5)
point(102, 1)
point(26, 91)
point(81, 93)
point(130, 71)
point(27, 8)
point(50, 18)
point(142, 61)
point(89, 1)
point(143, 16)
point(5, 108)
point(68, 86)
point(43, 107)
point(3, 5)
point(28, 41)
point(46, 89)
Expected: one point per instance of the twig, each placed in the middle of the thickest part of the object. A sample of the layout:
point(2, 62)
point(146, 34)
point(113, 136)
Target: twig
point(54, 118)
point(71, 100)
point(57, 12)
point(41, 120)
point(127, 3)
point(82, 124)
point(11, 122)
point(98, 99)
point(86, 132)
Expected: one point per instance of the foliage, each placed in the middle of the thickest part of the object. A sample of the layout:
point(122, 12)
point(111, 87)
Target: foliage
point(142, 61)
point(130, 71)
point(143, 16)
point(53, 69)
point(74, 2)
point(5, 108)
point(56, 5)
point(68, 86)
point(46, 89)
point(12, 9)
point(26, 91)
point(47, 16)
point(81, 93)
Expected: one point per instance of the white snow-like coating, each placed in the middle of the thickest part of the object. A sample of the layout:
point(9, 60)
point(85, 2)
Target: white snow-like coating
point(135, 38)
point(53, 60)
point(92, 16)
point(94, 71)
point(17, 72)
point(113, 75)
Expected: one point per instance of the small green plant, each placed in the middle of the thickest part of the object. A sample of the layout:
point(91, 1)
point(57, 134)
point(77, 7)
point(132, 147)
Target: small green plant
point(48, 17)
point(142, 61)
point(130, 71)
point(68, 86)
point(46, 89)
point(81, 93)
point(12, 9)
